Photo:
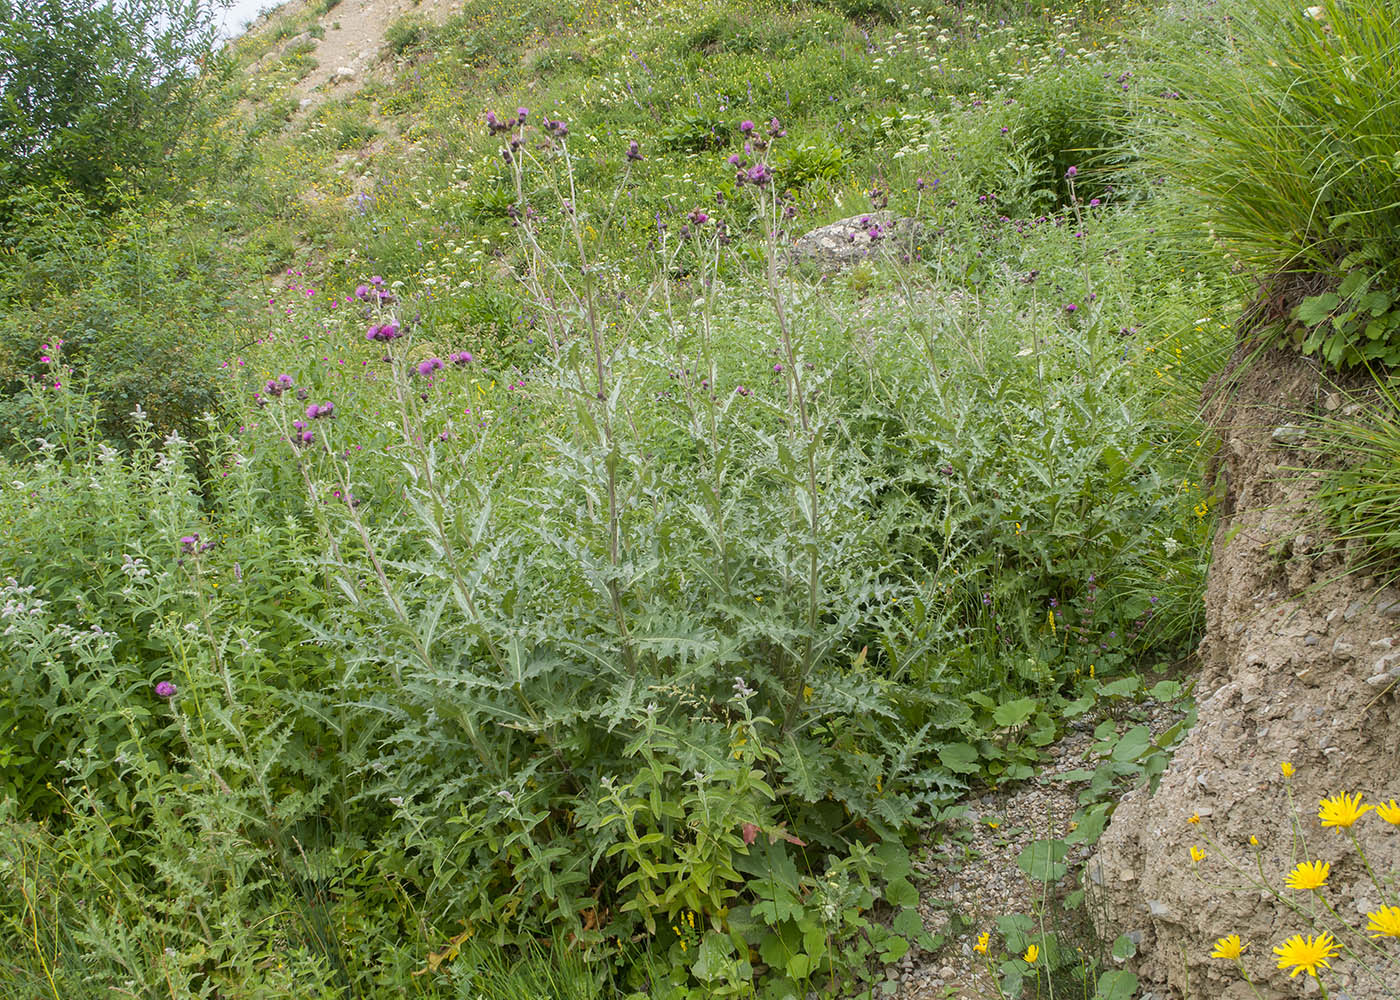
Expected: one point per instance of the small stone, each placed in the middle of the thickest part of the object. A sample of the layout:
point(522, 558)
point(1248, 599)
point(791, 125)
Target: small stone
point(947, 972)
point(1311, 640)
point(1157, 908)
point(1342, 649)
point(1353, 609)
point(1289, 435)
point(1390, 609)
point(1333, 400)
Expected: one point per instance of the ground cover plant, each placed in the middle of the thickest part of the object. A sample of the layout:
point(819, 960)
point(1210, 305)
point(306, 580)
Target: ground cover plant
point(562, 575)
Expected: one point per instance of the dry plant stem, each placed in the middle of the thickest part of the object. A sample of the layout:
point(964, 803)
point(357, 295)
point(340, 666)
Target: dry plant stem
point(809, 445)
point(1245, 975)
point(449, 550)
point(704, 414)
point(587, 296)
point(1361, 853)
point(1298, 838)
point(1359, 935)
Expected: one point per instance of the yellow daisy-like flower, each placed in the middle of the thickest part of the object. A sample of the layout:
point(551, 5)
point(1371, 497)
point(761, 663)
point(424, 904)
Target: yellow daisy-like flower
point(1032, 953)
point(1197, 855)
point(1390, 812)
point(1287, 769)
point(981, 946)
point(1194, 818)
point(1308, 875)
point(1228, 947)
point(1253, 840)
point(1385, 922)
point(1342, 810)
point(1306, 955)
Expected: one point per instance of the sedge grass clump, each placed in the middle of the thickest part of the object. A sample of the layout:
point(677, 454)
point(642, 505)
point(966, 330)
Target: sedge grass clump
point(1285, 129)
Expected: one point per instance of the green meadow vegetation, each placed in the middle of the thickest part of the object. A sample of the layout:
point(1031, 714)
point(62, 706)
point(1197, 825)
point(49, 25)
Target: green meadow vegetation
point(456, 551)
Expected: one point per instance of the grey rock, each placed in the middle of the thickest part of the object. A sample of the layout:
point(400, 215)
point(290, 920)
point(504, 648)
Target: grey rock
point(1157, 908)
point(1289, 435)
point(849, 241)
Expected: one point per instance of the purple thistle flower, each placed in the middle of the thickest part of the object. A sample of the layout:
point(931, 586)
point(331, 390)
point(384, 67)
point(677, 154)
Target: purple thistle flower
point(746, 127)
point(759, 174)
point(307, 437)
point(164, 689)
point(775, 129)
point(634, 152)
point(426, 368)
point(1071, 307)
point(189, 543)
point(1072, 172)
point(362, 292)
point(460, 358)
point(521, 114)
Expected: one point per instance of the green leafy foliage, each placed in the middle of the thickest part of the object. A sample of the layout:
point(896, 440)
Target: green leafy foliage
point(89, 96)
point(649, 630)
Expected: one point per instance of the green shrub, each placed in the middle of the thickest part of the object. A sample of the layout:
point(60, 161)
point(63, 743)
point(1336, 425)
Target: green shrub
point(405, 35)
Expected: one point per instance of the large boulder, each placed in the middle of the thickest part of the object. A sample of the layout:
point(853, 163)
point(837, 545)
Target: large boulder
point(1299, 665)
point(860, 237)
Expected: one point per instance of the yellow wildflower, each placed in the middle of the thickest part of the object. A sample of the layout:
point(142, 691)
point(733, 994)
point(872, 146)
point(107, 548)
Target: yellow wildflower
point(1253, 840)
point(1306, 955)
point(1197, 855)
point(1032, 953)
point(1385, 922)
point(1308, 875)
point(1390, 812)
point(1194, 818)
point(1228, 947)
point(1341, 810)
point(981, 946)
point(1287, 769)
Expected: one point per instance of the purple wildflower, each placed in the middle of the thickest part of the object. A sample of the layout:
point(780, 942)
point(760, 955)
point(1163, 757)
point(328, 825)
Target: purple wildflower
point(426, 368)
point(164, 689)
point(1072, 172)
point(460, 358)
point(746, 127)
point(634, 152)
